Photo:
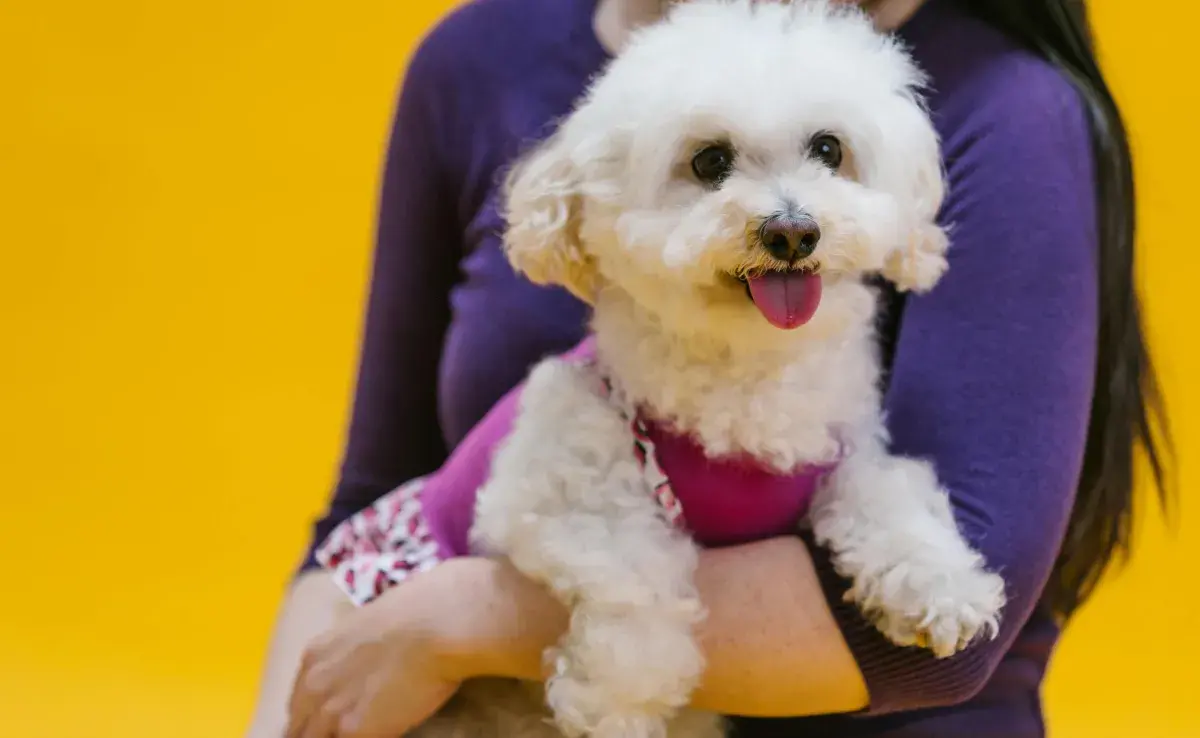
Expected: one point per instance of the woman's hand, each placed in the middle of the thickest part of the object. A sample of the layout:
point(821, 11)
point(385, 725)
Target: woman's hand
point(380, 671)
point(387, 667)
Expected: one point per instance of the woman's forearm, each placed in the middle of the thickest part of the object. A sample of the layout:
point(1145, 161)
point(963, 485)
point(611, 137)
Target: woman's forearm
point(772, 647)
point(312, 606)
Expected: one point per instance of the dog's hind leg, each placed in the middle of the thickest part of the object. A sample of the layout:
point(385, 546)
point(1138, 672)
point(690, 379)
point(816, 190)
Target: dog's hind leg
point(568, 505)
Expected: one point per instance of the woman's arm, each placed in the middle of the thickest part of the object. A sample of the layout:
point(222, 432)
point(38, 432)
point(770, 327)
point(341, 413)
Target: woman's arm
point(771, 644)
point(394, 433)
point(992, 377)
point(312, 606)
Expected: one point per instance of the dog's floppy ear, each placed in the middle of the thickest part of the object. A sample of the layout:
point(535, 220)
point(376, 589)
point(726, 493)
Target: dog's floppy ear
point(919, 259)
point(542, 209)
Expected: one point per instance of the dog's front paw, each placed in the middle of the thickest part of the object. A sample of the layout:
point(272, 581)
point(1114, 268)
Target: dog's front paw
point(892, 533)
point(940, 608)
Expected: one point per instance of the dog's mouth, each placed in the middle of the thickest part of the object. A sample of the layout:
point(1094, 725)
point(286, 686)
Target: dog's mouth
point(787, 298)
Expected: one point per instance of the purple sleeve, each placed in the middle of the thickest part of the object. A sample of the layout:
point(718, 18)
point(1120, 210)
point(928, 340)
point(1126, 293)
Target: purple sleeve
point(993, 371)
point(394, 434)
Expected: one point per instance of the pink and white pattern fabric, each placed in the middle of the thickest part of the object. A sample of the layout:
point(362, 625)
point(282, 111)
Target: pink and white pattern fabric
point(381, 546)
point(390, 541)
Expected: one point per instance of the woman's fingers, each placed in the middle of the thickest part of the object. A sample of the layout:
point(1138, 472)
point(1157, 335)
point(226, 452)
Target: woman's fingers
point(307, 705)
point(320, 721)
point(323, 724)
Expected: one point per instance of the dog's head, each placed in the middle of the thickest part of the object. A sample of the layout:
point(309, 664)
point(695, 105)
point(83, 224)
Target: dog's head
point(739, 161)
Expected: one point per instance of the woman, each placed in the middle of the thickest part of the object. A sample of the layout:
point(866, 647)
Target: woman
point(1023, 375)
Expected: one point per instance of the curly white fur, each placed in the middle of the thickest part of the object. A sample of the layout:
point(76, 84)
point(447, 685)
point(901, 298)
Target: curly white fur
point(609, 208)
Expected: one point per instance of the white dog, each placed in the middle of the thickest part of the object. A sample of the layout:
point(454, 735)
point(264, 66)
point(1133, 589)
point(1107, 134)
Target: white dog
point(719, 197)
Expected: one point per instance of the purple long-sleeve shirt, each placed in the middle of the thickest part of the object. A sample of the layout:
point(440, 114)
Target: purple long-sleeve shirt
point(991, 374)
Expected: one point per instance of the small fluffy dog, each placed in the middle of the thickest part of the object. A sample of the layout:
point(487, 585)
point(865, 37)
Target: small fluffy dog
point(720, 197)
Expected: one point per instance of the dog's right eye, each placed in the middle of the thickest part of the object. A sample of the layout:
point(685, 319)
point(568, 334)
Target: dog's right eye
point(713, 164)
point(826, 149)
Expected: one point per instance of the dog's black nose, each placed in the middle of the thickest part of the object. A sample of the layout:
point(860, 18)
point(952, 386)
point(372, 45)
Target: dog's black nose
point(790, 237)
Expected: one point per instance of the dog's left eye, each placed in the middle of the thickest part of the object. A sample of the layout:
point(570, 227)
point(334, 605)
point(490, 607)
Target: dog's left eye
point(826, 149)
point(713, 164)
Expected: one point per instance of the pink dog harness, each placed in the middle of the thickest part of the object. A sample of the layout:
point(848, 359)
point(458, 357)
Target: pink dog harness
point(427, 520)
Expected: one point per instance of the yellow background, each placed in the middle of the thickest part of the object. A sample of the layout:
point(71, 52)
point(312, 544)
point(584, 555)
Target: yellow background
point(186, 200)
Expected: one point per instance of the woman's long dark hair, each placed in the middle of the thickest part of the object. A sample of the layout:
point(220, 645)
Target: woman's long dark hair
point(1128, 415)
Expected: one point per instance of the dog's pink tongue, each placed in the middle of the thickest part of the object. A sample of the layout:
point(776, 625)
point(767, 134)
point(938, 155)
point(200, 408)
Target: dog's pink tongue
point(787, 299)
